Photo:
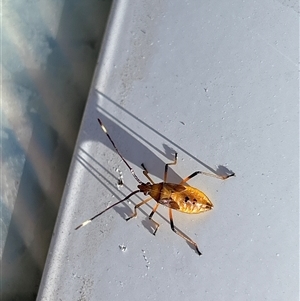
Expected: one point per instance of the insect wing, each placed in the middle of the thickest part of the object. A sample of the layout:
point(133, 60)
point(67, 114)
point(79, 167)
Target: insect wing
point(170, 203)
point(174, 187)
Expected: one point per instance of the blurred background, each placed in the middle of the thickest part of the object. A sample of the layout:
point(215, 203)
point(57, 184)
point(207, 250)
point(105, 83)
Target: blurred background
point(49, 50)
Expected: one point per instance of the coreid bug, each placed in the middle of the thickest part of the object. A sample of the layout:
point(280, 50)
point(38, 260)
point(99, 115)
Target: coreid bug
point(179, 197)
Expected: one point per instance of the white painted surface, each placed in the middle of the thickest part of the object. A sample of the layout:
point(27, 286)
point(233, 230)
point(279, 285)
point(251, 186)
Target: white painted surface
point(217, 83)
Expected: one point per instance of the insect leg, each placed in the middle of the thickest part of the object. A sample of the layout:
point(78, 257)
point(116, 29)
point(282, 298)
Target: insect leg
point(145, 172)
point(137, 206)
point(182, 234)
point(150, 217)
point(167, 165)
point(100, 213)
point(206, 174)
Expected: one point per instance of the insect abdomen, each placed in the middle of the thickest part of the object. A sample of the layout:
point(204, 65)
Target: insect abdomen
point(192, 200)
point(179, 197)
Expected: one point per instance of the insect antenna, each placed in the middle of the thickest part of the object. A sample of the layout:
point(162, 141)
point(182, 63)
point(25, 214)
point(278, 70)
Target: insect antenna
point(131, 169)
point(100, 213)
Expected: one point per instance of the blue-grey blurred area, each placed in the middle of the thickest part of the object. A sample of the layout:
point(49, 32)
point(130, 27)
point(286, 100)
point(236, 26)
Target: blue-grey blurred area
point(49, 52)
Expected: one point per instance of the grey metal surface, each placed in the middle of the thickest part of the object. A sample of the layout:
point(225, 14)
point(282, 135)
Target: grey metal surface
point(216, 82)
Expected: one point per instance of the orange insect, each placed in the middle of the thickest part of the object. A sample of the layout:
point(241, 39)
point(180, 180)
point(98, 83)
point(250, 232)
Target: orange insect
point(179, 197)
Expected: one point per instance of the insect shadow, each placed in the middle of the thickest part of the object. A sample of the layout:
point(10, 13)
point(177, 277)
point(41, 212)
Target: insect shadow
point(168, 150)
